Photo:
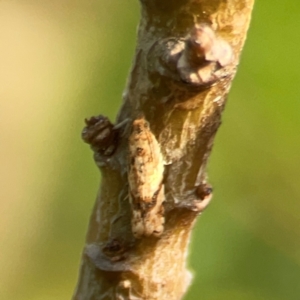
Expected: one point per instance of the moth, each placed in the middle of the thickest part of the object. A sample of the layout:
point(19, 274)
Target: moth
point(145, 178)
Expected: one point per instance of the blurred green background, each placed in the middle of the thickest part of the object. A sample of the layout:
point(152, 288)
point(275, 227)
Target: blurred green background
point(62, 61)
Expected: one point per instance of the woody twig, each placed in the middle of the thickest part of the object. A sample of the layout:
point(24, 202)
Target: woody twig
point(153, 161)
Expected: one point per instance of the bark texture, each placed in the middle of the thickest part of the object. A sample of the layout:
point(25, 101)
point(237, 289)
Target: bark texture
point(186, 57)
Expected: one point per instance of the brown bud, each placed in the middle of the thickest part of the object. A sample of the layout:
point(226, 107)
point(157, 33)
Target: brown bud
point(204, 190)
point(204, 54)
point(100, 134)
point(207, 45)
point(115, 249)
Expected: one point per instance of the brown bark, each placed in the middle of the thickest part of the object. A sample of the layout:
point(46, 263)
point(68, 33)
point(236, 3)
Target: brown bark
point(186, 57)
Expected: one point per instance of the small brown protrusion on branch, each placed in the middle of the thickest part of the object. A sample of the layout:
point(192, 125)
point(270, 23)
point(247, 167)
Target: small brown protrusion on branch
point(203, 56)
point(203, 193)
point(104, 262)
point(203, 45)
point(115, 249)
point(100, 134)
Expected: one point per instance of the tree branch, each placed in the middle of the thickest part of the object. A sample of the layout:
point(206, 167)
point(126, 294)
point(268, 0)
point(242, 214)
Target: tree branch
point(153, 161)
